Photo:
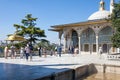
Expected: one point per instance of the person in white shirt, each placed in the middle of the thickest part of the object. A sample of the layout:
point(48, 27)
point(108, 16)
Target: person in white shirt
point(76, 51)
point(27, 50)
point(12, 52)
point(22, 50)
point(6, 52)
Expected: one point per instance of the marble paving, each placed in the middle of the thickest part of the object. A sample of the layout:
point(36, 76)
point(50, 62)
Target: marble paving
point(20, 69)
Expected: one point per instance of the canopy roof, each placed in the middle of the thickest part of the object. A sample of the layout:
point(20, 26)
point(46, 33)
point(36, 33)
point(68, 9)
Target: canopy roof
point(58, 28)
point(15, 37)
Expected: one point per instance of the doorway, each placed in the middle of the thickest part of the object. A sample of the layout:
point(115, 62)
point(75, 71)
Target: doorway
point(94, 47)
point(105, 48)
point(86, 47)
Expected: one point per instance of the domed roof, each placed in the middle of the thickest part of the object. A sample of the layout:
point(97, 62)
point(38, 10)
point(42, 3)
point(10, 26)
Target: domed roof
point(15, 37)
point(101, 14)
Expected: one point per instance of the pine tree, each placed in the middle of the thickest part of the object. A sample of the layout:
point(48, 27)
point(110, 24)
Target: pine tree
point(28, 29)
point(115, 20)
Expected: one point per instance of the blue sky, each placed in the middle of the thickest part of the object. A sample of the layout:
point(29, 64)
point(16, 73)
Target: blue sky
point(48, 12)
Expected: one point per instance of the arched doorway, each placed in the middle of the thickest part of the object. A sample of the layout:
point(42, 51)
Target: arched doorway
point(105, 38)
point(105, 48)
point(88, 40)
point(86, 47)
point(74, 38)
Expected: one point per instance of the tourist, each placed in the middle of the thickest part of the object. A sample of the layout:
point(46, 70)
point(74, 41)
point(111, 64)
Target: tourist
point(22, 52)
point(59, 50)
point(51, 52)
point(45, 52)
point(12, 48)
point(55, 52)
point(100, 51)
point(40, 51)
point(27, 50)
point(31, 51)
point(72, 50)
point(6, 52)
point(76, 51)
point(69, 50)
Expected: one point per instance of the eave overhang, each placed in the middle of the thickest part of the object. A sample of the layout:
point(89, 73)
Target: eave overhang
point(80, 24)
point(58, 28)
point(55, 29)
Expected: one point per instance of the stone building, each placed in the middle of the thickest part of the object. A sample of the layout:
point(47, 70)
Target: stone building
point(88, 36)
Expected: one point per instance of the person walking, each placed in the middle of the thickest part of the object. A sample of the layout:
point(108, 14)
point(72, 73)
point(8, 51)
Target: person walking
point(55, 51)
point(12, 48)
point(100, 51)
point(76, 51)
point(72, 50)
point(31, 51)
point(6, 52)
point(45, 52)
point(59, 50)
point(27, 50)
point(40, 51)
point(22, 50)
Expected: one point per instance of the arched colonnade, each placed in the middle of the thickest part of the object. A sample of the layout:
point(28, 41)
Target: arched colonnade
point(88, 38)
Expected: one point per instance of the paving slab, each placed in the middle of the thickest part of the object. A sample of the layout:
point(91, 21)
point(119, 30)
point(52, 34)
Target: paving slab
point(20, 69)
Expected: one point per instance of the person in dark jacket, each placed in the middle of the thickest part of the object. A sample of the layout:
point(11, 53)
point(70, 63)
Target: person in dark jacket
point(59, 50)
point(40, 51)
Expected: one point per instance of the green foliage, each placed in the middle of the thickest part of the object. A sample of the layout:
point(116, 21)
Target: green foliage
point(29, 30)
point(18, 45)
point(115, 20)
point(116, 40)
point(43, 43)
point(46, 44)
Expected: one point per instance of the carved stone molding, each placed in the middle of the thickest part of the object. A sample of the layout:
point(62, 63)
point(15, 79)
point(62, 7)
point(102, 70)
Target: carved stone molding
point(79, 30)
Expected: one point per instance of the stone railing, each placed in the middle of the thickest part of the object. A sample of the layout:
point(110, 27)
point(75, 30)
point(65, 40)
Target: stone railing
point(113, 56)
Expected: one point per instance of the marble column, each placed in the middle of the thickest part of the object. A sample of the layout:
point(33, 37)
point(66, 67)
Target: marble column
point(79, 45)
point(60, 34)
point(97, 44)
point(65, 44)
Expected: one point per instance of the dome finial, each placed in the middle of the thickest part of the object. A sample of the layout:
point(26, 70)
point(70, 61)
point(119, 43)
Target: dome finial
point(111, 6)
point(102, 5)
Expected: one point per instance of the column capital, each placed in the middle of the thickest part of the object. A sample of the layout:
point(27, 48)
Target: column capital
point(79, 30)
point(96, 36)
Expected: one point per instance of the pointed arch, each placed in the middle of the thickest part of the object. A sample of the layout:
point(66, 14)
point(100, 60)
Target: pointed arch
point(105, 34)
point(71, 36)
point(87, 35)
point(105, 38)
point(88, 39)
point(74, 38)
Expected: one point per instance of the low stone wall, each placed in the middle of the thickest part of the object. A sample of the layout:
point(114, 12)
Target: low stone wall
point(49, 77)
point(112, 69)
point(97, 68)
point(68, 74)
point(107, 68)
point(65, 75)
point(83, 70)
point(92, 69)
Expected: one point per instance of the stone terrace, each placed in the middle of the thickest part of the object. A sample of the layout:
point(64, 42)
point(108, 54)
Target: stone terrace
point(20, 69)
